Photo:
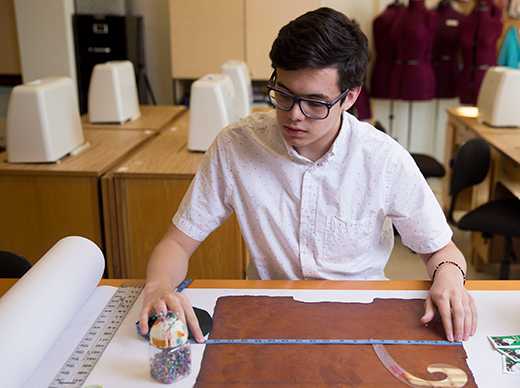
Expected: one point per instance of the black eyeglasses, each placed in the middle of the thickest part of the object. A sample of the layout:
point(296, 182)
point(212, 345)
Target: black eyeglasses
point(313, 109)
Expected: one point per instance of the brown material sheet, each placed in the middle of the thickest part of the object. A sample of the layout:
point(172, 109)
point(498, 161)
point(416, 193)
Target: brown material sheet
point(298, 365)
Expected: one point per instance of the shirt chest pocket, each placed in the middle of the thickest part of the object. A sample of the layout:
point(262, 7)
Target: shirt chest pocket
point(347, 239)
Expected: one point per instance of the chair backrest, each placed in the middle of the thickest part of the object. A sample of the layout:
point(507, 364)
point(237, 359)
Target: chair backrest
point(13, 265)
point(469, 167)
point(428, 165)
point(379, 126)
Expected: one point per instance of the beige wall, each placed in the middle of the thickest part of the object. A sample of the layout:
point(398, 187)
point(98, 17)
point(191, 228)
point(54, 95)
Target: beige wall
point(45, 38)
point(157, 46)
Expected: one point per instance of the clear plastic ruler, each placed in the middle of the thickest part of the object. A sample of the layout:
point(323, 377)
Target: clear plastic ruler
point(455, 377)
point(89, 350)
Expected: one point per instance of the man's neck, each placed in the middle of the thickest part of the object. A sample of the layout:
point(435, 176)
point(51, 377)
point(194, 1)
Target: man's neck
point(318, 149)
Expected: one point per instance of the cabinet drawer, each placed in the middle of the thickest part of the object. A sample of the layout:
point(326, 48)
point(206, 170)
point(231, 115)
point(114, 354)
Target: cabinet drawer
point(463, 133)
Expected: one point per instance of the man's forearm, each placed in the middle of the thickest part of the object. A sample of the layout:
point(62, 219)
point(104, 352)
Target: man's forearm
point(168, 264)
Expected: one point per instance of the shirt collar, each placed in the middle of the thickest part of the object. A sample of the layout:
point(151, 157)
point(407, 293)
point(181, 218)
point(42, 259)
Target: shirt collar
point(340, 141)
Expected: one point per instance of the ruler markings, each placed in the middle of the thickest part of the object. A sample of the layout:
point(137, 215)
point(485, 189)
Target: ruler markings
point(89, 350)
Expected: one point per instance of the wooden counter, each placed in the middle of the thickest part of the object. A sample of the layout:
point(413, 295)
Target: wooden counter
point(41, 203)
point(144, 193)
point(153, 118)
point(472, 285)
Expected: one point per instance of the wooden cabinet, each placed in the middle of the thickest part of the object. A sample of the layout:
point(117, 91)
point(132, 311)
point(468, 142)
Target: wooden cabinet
point(41, 203)
point(207, 33)
point(145, 192)
point(121, 192)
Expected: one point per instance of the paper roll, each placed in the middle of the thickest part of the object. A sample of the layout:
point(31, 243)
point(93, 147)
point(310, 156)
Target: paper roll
point(35, 311)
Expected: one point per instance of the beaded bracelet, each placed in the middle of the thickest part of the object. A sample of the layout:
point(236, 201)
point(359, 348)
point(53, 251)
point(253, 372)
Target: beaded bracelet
point(450, 262)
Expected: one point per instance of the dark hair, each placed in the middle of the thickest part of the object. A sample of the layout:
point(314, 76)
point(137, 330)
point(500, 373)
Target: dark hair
point(320, 39)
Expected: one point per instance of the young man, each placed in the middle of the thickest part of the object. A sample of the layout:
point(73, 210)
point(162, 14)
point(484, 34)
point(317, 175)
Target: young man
point(314, 190)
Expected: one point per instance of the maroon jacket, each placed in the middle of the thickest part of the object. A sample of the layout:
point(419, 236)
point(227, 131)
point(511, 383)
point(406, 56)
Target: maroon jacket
point(445, 52)
point(479, 33)
point(386, 51)
point(413, 32)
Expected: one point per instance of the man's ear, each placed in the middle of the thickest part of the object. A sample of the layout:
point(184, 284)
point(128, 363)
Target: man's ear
point(351, 98)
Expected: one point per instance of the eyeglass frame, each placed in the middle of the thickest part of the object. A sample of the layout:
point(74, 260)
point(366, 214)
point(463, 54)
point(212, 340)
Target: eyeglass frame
point(299, 100)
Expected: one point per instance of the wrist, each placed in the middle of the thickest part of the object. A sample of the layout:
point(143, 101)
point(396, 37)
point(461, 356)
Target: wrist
point(156, 286)
point(449, 264)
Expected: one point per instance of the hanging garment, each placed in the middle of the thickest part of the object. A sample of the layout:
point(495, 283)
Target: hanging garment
point(412, 77)
point(479, 33)
point(386, 51)
point(510, 52)
point(445, 52)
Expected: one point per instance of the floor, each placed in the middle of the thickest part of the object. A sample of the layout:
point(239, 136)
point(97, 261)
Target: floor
point(406, 265)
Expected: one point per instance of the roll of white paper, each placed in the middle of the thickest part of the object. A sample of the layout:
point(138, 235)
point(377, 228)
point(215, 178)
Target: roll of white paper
point(35, 311)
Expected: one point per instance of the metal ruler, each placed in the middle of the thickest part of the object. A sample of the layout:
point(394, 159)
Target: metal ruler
point(328, 342)
point(83, 359)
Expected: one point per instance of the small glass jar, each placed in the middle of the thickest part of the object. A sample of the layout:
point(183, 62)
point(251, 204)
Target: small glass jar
point(169, 365)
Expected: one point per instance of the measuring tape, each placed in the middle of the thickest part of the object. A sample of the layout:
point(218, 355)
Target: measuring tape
point(83, 359)
point(183, 285)
point(328, 342)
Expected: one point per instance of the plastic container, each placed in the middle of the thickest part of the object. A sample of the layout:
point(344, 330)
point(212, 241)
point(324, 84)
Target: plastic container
point(169, 365)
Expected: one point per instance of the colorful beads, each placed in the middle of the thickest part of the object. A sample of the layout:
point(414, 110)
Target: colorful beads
point(170, 365)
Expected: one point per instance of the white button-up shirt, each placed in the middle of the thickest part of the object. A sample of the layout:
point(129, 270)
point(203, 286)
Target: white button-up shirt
point(300, 219)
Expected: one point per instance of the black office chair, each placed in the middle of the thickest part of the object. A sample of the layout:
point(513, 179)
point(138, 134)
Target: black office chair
point(428, 165)
point(497, 217)
point(13, 265)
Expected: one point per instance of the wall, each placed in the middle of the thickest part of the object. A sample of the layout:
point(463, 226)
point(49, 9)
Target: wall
point(157, 46)
point(45, 38)
point(362, 12)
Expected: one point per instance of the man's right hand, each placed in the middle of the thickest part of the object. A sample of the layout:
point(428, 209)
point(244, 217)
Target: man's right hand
point(159, 300)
